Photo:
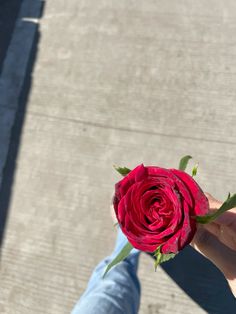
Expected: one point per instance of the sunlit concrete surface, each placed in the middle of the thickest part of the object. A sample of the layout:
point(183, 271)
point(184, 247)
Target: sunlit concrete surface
point(102, 83)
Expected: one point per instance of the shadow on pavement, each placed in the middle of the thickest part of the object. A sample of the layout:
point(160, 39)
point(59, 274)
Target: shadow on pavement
point(202, 281)
point(11, 163)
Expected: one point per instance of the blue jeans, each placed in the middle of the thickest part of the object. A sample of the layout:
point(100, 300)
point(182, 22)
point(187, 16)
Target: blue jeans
point(118, 292)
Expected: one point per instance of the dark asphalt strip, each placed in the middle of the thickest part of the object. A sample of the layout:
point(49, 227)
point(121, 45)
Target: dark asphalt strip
point(9, 10)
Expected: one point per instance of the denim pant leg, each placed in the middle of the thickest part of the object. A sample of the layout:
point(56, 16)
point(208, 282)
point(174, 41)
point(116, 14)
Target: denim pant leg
point(118, 292)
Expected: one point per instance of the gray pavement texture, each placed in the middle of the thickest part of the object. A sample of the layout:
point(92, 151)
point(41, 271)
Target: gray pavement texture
point(96, 83)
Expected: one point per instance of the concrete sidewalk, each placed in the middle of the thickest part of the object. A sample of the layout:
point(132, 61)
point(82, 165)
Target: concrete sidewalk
point(114, 82)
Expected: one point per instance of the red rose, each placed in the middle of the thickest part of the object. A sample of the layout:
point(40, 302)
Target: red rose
point(155, 206)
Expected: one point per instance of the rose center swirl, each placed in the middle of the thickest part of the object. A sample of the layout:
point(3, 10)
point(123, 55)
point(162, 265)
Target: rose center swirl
point(157, 209)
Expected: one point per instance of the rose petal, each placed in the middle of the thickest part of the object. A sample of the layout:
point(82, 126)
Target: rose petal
point(201, 205)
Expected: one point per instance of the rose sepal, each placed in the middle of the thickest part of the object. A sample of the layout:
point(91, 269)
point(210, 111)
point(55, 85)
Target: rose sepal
point(227, 205)
point(184, 162)
point(194, 170)
point(161, 258)
point(120, 257)
point(122, 170)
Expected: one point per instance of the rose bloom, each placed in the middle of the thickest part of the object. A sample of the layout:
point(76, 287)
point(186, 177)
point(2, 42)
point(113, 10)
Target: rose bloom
point(156, 206)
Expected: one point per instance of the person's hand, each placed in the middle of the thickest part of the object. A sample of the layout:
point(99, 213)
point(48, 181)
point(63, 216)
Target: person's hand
point(217, 242)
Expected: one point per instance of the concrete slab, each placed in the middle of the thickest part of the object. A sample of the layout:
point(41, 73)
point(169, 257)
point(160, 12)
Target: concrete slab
point(124, 83)
point(119, 59)
point(59, 225)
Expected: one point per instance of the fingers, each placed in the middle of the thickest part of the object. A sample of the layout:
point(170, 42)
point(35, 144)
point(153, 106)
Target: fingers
point(224, 227)
point(223, 233)
point(213, 203)
point(228, 219)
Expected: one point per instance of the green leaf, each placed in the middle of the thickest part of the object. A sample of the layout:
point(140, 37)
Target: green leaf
point(157, 254)
point(184, 162)
point(122, 170)
point(120, 257)
point(228, 204)
point(194, 171)
point(161, 258)
point(166, 257)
